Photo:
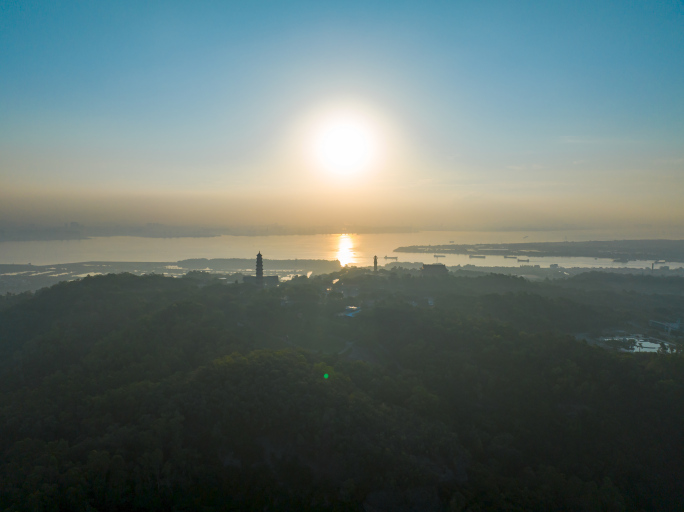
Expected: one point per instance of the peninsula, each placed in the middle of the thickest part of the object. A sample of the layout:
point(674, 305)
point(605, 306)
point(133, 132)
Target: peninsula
point(621, 250)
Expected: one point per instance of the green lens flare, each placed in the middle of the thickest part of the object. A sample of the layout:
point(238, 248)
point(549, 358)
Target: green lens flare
point(325, 375)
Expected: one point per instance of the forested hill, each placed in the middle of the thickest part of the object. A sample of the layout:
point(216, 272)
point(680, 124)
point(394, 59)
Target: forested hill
point(134, 393)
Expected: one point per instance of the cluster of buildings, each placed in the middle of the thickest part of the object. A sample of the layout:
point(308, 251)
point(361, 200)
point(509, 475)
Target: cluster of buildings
point(668, 327)
point(428, 270)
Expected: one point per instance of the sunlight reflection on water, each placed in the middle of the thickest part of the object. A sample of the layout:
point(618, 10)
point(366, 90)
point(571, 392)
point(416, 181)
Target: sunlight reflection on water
point(352, 249)
point(345, 253)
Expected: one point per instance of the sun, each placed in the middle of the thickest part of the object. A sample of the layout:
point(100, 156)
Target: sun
point(344, 144)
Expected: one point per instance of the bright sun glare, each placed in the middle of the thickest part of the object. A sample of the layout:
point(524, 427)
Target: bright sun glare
point(345, 252)
point(344, 144)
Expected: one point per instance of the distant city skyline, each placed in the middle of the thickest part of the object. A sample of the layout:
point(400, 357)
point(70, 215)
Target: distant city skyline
point(473, 115)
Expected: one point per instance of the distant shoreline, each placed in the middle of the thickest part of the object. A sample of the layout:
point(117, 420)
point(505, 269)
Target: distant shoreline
point(67, 239)
point(447, 248)
point(87, 233)
point(20, 277)
point(617, 250)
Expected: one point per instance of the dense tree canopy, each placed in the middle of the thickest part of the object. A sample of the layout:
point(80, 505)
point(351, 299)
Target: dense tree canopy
point(149, 393)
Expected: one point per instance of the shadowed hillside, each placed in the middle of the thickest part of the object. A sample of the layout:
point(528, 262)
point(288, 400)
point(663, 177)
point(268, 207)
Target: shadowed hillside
point(121, 392)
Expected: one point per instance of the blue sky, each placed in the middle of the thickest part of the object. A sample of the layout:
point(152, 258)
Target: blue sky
point(521, 106)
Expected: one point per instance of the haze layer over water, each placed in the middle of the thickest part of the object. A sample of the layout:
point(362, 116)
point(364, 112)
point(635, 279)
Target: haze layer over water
point(352, 249)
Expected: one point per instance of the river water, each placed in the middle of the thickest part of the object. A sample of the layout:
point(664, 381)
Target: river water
point(352, 249)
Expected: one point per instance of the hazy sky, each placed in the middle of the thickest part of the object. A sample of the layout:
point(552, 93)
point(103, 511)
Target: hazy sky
point(483, 114)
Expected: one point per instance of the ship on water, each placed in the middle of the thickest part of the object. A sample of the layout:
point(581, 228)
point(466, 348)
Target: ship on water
point(480, 256)
point(510, 257)
point(523, 260)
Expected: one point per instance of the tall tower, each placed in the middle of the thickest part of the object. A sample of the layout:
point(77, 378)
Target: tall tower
point(375, 263)
point(260, 267)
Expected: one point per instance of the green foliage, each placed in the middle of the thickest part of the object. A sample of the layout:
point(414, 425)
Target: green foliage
point(150, 393)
